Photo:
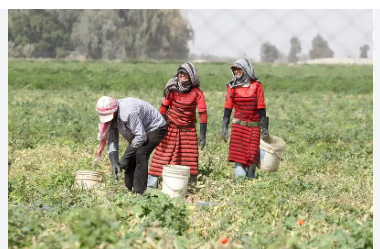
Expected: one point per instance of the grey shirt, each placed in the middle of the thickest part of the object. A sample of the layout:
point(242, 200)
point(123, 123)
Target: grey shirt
point(136, 118)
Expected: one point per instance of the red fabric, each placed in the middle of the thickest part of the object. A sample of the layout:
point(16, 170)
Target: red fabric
point(203, 117)
point(260, 97)
point(163, 109)
point(229, 99)
point(183, 106)
point(167, 101)
point(244, 145)
point(245, 92)
point(245, 141)
point(180, 147)
point(111, 108)
point(102, 137)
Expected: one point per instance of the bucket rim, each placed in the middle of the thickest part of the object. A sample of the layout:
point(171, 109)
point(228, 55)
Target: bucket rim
point(86, 179)
point(283, 143)
point(169, 174)
point(176, 166)
point(89, 172)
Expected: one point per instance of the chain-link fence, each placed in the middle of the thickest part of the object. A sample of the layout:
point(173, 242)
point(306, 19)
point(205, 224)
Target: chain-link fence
point(209, 35)
point(222, 34)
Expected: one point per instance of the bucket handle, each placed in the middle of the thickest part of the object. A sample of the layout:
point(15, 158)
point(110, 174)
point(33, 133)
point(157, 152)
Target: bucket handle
point(274, 152)
point(173, 189)
point(279, 158)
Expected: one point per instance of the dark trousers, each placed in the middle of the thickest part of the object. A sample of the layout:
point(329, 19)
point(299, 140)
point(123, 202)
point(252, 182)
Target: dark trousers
point(136, 175)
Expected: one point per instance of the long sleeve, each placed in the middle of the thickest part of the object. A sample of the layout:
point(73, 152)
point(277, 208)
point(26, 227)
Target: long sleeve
point(229, 99)
point(113, 138)
point(165, 104)
point(260, 97)
point(202, 108)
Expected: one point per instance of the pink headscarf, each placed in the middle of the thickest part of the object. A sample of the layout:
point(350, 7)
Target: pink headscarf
point(102, 138)
point(105, 107)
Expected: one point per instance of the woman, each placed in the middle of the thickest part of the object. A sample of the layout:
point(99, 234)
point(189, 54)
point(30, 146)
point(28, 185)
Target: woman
point(182, 96)
point(245, 94)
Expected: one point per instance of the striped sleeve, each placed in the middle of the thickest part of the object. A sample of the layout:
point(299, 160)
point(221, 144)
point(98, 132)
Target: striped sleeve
point(260, 97)
point(201, 102)
point(166, 102)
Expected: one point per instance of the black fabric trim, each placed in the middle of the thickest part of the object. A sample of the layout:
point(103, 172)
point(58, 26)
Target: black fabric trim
point(246, 61)
point(191, 68)
point(227, 112)
point(262, 113)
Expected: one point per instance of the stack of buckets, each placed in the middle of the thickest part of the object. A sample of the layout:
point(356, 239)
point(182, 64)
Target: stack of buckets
point(175, 179)
point(271, 150)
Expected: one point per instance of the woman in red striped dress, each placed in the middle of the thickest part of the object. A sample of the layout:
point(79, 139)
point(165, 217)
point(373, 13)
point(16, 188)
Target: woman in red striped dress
point(245, 94)
point(182, 96)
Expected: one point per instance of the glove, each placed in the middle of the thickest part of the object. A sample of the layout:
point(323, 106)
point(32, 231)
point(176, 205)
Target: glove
point(202, 137)
point(225, 123)
point(124, 160)
point(115, 165)
point(264, 127)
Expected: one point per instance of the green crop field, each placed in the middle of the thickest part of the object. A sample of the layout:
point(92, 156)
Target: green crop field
point(324, 113)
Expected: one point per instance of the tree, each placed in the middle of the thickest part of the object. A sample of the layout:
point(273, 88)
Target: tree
point(95, 29)
point(154, 34)
point(295, 50)
point(108, 34)
point(363, 51)
point(45, 30)
point(268, 52)
point(11, 47)
point(320, 48)
point(28, 50)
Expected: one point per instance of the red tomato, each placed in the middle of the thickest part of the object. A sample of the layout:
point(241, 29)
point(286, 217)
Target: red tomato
point(223, 240)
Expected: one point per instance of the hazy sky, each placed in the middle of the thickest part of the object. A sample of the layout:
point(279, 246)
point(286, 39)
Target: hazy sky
point(235, 32)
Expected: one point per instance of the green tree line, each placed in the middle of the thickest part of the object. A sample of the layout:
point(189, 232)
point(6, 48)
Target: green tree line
point(319, 49)
point(99, 34)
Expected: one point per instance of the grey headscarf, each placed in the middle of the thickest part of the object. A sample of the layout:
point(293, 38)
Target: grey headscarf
point(183, 87)
point(248, 75)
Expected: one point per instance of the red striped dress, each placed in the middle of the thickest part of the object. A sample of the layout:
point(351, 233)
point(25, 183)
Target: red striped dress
point(245, 141)
point(180, 145)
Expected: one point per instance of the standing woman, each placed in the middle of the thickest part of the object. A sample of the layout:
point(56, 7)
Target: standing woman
point(245, 94)
point(182, 96)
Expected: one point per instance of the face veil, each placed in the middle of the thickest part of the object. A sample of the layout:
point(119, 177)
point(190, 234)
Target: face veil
point(248, 75)
point(174, 83)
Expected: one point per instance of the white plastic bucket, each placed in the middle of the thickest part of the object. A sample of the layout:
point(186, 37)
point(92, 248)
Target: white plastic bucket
point(271, 150)
point(175, 179)
point(87, 179)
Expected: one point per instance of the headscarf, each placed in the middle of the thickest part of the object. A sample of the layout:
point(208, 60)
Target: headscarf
point(174, 84)
point(106, 107)
point(102, 138)
point(248, 75)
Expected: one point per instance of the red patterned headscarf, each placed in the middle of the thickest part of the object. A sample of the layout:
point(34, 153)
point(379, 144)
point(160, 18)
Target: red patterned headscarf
point(102, 138)
point(106, 107)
